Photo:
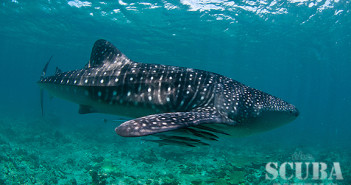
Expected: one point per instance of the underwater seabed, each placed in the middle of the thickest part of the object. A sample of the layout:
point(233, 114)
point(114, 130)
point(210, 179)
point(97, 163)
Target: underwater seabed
point(43, 151)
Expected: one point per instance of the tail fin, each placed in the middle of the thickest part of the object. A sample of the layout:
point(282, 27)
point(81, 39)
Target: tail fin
point(45, 68)
point(41, 90)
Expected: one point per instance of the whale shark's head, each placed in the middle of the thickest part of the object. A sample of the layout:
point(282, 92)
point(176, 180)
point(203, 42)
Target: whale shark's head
point(259, 111)
point(273, 113)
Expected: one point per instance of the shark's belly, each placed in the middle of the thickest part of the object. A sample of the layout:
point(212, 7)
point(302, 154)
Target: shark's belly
point(132, 111)
point(100, 103)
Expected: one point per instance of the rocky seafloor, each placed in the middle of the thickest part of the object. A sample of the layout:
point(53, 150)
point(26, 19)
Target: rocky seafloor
point(46, 151)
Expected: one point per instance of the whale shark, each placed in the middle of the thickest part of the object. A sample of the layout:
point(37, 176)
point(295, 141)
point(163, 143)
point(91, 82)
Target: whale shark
point(178, 105)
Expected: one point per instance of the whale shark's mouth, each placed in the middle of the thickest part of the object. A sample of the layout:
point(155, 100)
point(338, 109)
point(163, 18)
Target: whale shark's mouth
point(268, 120)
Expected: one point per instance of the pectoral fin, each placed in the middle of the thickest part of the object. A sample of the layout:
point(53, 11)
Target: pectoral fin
point(158, 123)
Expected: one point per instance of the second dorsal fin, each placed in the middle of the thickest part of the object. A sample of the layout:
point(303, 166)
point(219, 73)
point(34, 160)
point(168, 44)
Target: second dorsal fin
point(58, 70)
point(104, 52)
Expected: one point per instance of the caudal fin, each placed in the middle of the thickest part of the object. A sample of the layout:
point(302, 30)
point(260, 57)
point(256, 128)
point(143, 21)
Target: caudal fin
point(45, 68)
point(41, 90)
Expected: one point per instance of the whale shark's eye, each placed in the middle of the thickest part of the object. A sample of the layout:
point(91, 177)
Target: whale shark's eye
point(294, 112)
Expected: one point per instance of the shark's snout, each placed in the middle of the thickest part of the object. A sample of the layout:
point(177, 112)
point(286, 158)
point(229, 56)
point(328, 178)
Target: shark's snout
point(295, 112)
point(292, 110)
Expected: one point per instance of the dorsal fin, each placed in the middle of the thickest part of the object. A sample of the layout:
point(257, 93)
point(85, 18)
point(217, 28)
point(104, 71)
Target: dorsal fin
point(103, 52)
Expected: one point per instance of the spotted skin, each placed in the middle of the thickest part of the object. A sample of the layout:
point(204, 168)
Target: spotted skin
point(166, 98)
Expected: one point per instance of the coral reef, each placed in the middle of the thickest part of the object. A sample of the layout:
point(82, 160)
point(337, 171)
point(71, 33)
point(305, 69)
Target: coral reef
point(45, 151)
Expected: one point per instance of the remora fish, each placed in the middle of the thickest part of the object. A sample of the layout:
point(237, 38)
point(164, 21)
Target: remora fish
point(167, 99)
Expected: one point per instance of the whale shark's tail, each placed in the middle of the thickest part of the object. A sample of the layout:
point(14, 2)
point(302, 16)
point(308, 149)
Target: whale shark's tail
point(41, 90)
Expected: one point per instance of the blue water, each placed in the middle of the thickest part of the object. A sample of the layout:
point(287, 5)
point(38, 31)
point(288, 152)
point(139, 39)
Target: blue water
point(298, 50)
